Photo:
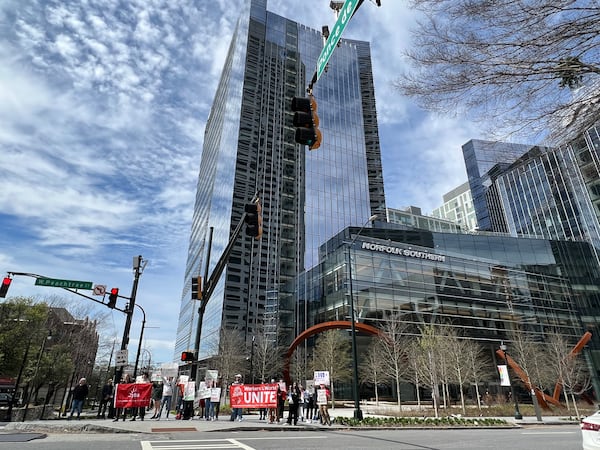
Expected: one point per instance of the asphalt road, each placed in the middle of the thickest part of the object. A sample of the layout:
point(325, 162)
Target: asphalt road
point(564, 437)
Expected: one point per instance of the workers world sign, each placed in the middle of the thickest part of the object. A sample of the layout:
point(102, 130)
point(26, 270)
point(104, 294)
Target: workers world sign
point(253, 395)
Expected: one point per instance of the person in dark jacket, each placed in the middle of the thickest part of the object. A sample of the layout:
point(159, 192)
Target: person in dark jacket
point(294, 403)
point(106, 400)
point(80, 392)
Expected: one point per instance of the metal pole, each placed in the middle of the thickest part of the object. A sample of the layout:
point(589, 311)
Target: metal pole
point(137, 357)
point(358, 415)
point(518, 414)
point(137, 268)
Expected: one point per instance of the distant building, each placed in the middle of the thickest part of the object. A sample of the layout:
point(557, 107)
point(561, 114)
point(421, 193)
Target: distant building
point(458, 208)
point(413, 217)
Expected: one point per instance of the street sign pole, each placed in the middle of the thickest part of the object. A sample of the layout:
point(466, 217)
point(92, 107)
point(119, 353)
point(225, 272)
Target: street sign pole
point(336, 33)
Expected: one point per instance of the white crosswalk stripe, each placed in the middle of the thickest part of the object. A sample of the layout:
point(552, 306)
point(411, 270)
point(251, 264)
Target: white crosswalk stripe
point(196, 444)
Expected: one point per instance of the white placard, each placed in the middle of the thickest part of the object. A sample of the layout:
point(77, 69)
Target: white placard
point(321, 377)
point(215, 395)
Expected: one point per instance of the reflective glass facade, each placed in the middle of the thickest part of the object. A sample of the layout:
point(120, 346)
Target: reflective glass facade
point(249, 148)
point(482, 285)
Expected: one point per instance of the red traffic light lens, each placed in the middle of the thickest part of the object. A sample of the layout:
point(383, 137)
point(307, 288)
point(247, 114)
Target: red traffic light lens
point(6, 281)
point(114, 291)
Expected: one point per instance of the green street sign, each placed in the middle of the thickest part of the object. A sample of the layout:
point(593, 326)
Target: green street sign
point(69, 284)
point(335, 35)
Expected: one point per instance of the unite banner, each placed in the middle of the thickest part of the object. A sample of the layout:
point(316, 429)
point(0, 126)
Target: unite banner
point(253, 395)
point(133, 395)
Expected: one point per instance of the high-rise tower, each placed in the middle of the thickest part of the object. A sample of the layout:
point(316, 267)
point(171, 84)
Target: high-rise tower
point(307, 196)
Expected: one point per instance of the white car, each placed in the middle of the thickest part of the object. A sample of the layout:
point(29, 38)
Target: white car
point(590, 431)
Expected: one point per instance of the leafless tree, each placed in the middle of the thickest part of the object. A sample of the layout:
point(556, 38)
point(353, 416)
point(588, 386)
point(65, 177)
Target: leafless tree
point(332, 353)
point(268, 357)
point(393, 348)
point(231, 354)
point(428, 361)
point(478, 366)
point(514, 64)
point(571, 370)
point(371, 368)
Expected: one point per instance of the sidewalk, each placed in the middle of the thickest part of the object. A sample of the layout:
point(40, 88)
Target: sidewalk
point(91, 424)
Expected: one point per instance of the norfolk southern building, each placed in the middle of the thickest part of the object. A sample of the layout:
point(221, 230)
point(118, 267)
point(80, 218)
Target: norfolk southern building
point(484, 284)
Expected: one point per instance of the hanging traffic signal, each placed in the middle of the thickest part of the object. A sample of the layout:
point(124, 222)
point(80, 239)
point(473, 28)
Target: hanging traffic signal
point(306, 122)
point(253, 220)
point(112, 297)
point(187, 356)
point(196, 288)
point(4, 287)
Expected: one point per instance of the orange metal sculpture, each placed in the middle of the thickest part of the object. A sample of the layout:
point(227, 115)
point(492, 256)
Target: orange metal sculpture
point(319, 328)
point(544, 399)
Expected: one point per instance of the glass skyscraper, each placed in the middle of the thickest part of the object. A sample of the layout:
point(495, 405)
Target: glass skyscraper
point(249, 149)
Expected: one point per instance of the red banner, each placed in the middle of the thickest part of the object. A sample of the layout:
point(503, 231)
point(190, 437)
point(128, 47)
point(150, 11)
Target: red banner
point(133, 395)
point(253, 395)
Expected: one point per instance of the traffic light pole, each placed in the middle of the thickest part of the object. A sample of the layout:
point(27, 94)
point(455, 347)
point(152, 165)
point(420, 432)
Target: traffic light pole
point(129, 311)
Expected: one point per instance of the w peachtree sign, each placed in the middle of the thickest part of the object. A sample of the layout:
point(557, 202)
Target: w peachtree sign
point(69, 284)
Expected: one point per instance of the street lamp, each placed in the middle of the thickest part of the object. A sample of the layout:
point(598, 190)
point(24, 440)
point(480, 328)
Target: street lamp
point(357, 412)
point(518, 414)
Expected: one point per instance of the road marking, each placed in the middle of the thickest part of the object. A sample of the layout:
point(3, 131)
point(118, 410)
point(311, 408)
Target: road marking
point(214, 444)
point(550, 432)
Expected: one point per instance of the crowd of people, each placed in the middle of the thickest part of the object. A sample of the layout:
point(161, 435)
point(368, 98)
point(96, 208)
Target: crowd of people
point(303, 404)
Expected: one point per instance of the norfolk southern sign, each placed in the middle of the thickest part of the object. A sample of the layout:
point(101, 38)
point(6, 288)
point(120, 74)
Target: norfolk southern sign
point(67, 284)
point(409, 252)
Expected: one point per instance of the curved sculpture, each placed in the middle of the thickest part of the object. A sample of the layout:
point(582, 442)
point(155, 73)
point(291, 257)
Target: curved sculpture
point(319, 328)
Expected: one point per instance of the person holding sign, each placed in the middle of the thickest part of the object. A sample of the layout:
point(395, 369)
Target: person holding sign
point(323, 396)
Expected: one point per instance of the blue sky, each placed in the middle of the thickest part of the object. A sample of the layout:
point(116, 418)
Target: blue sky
point(103, 105)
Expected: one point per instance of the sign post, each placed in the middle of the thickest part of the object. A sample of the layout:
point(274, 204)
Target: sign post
point(335, 35)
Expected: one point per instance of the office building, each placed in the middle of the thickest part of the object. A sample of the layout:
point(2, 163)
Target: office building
point(414, 217)
point(458, 208)
point(307, 196)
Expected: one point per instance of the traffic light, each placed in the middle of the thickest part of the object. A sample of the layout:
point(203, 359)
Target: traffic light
point(4, 287)
point(112, 298)
point(306, 122)
point(196, 288)
point(187, 356)
point(254, 220)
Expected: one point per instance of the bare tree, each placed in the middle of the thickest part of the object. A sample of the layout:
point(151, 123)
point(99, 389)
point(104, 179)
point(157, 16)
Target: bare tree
point(393, 348)
point(268, 359)
point(478, 366)
point(332, 353)
point(570, 369)
point(428, 357)
point(371, 368)
point(512, 63)
point(231, 354)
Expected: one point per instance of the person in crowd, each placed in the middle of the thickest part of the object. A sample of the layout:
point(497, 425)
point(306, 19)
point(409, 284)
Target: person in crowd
point(308, 405)
point(273, 411)
point(125, 379)
point(281, 396)
point(167, 397)
point(323, 405)
point(157, 395)
point(141, 410)
point(80, 392)
point(294, 403)
point(236, 413)
point(106, 400)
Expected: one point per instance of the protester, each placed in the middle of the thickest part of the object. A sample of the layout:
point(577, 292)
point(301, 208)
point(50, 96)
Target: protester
point(157, 394)
point(294, 403)
point(323, 407)
point(308, 404)
point(126, 379)
point(281, 396)
point(80, 392)
point(167, 397)
point(106, 400)
point(236, 413)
